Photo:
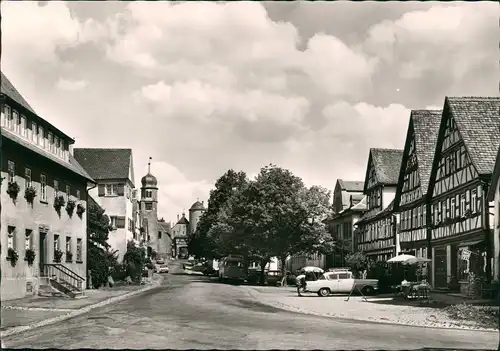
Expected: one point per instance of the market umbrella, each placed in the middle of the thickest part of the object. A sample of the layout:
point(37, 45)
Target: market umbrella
point(312, 269)
point(408, 259)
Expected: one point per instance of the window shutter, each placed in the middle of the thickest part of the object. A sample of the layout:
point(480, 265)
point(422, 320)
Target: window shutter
point(121, 189)
point(120, 222)
point(101, 190)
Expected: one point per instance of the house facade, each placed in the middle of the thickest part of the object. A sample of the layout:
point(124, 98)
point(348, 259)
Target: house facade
point(113, 170)
point(462, 232)
point(494, 196)
point(349, 204)
point(180, 231)
point(411, 201)
point(376, 230)
point(43, 200)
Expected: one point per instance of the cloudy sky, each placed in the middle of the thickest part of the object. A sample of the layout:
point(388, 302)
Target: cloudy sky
point(204, 87)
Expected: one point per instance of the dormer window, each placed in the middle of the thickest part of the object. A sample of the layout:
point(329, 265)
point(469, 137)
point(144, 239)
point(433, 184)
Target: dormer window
point(23, 126)
point(34, 133)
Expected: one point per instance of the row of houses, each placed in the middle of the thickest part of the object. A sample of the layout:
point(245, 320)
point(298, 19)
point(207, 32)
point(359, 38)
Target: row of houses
point(437, 198)
point(46, 186)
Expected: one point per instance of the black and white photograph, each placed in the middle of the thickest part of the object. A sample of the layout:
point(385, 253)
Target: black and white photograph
point(250, 175)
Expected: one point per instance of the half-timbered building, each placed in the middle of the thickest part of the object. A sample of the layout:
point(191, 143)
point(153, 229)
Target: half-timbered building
point(494, 196)
point(376, 229)
point(411, 200)
point(463, 164)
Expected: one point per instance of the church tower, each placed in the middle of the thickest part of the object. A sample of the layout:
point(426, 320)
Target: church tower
point(195, 213)
point(149, 209)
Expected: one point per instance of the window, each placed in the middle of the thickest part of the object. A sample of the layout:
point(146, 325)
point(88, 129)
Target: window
point(23, 126)
point(51, 142)
point(8, 117)
point(27, 175)
point(149, 193)
point(56, 188)
point(41, 137)
point(343, 275)
point(28, 243)
point(159, 235)
point(2, 115)
point(78, 194)
point(17, 125)
point(68, 191)
point(78, 250)
point(149, 206)
point(56, 242)
point(12, 171)
point(56, 145)
point(43, 187)
point(68, 247)
point(11, 237)
point(30, 132)
point(111, 190)
point(112, 221)
point(34, 133)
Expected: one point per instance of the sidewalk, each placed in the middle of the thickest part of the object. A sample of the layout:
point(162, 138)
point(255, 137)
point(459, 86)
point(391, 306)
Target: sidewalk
point(31, 312)
point(382, 309)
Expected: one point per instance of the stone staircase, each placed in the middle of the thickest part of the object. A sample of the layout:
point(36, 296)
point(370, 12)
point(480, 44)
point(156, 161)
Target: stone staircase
point(60, 281)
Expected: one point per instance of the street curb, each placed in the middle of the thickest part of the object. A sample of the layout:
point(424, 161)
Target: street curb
point(282, 306)
point(83, 310)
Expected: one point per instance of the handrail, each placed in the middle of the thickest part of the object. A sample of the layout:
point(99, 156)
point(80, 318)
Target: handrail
point(64, 268)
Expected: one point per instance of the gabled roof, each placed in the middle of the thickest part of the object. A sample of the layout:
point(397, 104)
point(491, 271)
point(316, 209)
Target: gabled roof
point(478, 122)
point(424, 127)
point(351, 185)
point(165, 226)
point(387, 163)
point(8, 89)
point(72, 165)
point(183, 220)
point(494, 178)
point(104, 164)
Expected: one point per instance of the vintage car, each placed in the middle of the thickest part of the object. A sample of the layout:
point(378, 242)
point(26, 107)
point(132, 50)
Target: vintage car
point(341, 282)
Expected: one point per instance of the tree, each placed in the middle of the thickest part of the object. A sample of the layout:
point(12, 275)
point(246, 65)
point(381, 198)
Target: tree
point(134, 261)
point(201, 244)
point(274, 215)
point(358, 262)
point(99, 258)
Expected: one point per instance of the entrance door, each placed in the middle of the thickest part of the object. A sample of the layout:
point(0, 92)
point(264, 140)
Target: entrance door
point(440, 270)
point(42, 252)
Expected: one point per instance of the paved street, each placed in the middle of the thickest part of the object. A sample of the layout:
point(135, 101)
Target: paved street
point(194, 312)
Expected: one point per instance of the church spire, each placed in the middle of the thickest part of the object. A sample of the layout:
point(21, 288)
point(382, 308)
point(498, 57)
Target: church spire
point(149, 165)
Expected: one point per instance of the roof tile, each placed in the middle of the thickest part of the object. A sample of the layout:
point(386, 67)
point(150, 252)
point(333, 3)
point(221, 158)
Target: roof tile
point(478, 121)
point(387, 163)
point(8, 89)
point(351, 185)
point(105, 163)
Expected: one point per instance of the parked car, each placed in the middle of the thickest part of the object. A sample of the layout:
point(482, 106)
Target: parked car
point(340, 282)
point(162, 268)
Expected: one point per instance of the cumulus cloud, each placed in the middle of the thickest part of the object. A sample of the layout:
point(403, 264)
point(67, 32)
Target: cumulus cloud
point(203, 87)
point(71, 85)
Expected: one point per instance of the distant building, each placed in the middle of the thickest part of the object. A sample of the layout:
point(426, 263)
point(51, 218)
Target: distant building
point(341, 225)
point(343, 191)
point(165, 242)
point(113, 170)
point(376, 229)
point(37, 156)
point(185, 227)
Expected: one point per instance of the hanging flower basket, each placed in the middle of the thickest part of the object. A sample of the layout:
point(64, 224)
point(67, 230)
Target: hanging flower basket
point(69, 256)
point(80, 210)
point(12, 256)
point(59, 203)
point(70, 207)
point(30, 256)
point(30, 194)
point(57, 256)
point(13, 190)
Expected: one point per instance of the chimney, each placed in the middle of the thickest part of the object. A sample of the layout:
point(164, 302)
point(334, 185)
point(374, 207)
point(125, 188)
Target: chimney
point(203, 203)
point(177, 217)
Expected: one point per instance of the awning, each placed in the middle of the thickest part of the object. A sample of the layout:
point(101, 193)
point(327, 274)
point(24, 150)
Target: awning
point(471, 243)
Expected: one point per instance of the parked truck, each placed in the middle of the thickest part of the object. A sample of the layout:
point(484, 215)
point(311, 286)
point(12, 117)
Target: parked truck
point(341, 281)
point(231, 268)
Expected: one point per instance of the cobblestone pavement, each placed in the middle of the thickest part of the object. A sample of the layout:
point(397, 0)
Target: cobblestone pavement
point(193, 312)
